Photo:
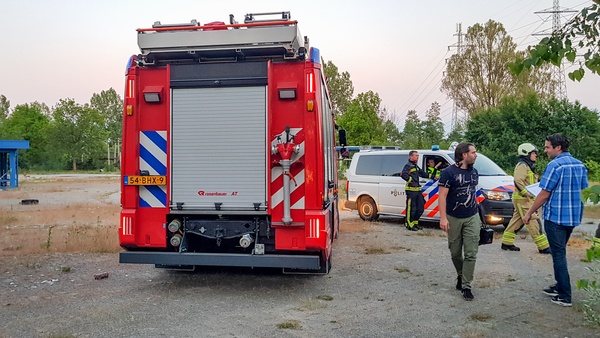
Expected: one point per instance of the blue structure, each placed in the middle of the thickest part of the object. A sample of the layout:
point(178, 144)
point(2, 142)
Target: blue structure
point(9, 162)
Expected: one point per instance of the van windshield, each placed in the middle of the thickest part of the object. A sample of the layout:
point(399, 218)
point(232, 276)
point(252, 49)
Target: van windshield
point(487, 167)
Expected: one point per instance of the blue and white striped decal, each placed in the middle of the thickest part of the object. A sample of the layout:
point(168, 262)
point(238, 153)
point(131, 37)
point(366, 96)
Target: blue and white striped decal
point(153, 158)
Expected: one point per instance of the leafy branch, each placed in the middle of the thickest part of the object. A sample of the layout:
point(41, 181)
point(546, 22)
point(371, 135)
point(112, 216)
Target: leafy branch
point(579, 36)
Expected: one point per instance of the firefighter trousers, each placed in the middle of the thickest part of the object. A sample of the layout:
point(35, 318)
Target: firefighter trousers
point(415, 205)
point(516, 223)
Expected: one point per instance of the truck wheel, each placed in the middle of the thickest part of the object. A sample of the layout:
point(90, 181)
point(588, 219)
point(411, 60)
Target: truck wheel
point(367, 210)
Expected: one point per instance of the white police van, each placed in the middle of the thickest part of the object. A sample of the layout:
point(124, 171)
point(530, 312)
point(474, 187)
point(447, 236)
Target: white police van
point(374, 186)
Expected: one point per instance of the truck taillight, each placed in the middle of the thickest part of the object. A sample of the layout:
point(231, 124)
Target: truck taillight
point(130, 89)
point(310, 83)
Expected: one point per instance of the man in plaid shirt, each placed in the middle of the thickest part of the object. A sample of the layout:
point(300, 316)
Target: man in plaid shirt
point(561, 184)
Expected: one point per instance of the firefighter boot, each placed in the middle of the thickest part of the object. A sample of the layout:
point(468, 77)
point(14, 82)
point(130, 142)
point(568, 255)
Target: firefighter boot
point(417, 226)
point(510, 247)
point(542, 244)
point(508, 240)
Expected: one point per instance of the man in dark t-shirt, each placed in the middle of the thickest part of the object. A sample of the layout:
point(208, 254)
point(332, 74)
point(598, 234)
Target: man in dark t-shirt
point(459, 214)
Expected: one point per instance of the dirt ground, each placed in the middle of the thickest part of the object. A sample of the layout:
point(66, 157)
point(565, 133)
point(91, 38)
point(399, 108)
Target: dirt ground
point(385, 281)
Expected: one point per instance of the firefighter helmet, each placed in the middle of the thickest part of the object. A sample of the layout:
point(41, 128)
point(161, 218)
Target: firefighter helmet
point(526, 149)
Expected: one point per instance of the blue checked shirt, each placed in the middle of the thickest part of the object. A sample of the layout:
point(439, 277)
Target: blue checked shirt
point(564, 178)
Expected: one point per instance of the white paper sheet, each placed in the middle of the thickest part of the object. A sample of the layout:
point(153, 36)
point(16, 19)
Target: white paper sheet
point(534, 189)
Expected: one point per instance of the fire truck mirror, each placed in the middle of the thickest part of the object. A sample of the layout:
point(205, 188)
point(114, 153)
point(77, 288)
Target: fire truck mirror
point(342, 137)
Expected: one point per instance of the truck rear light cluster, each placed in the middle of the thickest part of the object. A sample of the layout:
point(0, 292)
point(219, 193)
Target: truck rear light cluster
point(130, 89)
point(310, 83)
point(310, 105)
point(127, 223)
point(314, 228)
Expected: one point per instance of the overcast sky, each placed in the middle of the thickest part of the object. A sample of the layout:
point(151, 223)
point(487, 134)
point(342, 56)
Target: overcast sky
point(58, 49)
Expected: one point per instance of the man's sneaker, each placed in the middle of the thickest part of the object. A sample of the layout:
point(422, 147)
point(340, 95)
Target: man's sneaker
point(459, 283)
point(510, 247)
point(546, 251)
point(561, 301)
point(550, 291)
point(414, 228)
point(467, 294)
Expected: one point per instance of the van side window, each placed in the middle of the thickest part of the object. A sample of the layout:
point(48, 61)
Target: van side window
point(437, 159)
point(369, 165)
point(392, 165)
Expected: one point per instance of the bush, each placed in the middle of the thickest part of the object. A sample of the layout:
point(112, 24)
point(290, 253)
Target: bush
point(591, 304)
point(593, 168)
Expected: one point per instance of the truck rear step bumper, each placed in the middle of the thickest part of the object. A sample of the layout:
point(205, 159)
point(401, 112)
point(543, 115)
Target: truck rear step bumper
point(221, 259)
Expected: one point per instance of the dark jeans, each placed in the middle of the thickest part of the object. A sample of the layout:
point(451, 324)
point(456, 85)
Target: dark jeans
point(558, 236)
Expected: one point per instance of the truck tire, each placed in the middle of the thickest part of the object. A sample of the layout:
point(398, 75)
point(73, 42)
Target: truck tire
point(367, 209)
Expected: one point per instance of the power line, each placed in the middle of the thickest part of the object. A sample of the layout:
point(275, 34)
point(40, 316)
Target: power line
point(419, 87)
point(558, 74)
point(455, 120)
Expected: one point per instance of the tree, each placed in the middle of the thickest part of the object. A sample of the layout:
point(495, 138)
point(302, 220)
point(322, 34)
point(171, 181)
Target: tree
point(366, 123)
point(4, 108)
point(29, 122)
point(579, 36)
point(413, 131)
point(393, 136)
point(340, 88)
point(497, 132)
point(110, 105)
point(433, 127)
point(77, 132)
point(478, 78)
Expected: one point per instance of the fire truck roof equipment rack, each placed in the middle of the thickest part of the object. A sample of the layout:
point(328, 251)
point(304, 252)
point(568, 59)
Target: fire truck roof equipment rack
point(275, 38)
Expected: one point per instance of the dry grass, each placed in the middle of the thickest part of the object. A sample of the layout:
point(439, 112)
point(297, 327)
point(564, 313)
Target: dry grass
point(358, 226)
point(578, 240)
point(43, 239)
point(312, 305)
point(480, 317)
point(326, 298)
point(431, 233)
point(72, 216)
point(591, 211)
point(376, 251)
point(290, 324)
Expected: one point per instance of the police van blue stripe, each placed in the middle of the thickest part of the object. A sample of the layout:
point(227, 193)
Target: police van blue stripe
point(433, 192)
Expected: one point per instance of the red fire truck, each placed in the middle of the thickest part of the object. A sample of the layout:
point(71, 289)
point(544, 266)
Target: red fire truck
point(229, 152)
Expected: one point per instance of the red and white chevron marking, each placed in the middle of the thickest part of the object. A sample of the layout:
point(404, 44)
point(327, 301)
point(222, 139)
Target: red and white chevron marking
point(296, 195)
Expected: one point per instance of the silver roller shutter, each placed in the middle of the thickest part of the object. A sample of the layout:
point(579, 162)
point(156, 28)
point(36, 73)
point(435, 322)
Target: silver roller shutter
point(218, 150)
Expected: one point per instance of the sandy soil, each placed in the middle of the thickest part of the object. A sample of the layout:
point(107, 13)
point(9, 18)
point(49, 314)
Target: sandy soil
point(385, 282)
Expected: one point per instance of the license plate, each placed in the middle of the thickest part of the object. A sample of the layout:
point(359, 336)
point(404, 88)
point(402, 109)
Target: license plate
point(145, 180)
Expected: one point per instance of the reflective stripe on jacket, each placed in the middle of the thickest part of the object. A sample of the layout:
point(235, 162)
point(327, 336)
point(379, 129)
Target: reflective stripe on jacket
point(524, 176)
point(411, 174)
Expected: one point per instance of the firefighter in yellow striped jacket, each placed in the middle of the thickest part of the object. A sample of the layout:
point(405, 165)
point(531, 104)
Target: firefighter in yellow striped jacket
point(522, 200)
point(415, 202)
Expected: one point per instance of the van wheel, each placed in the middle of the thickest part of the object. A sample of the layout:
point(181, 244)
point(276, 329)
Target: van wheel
point(367, 210)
